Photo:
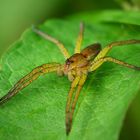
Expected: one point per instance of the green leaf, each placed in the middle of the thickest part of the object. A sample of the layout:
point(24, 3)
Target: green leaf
point(119, 16)
point(38, 111)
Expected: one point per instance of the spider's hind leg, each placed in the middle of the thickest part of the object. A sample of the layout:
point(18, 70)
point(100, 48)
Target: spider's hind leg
point(105, 50)
point(96, 64)
point(101, 57)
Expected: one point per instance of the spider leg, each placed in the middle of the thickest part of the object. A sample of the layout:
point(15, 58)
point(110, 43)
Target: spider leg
point(63, 50)
point(29, 78)
point(69, 100)
point(70, 107)
point(105, 50)
point(79, 39)
point(99, 62)
point(80, 85)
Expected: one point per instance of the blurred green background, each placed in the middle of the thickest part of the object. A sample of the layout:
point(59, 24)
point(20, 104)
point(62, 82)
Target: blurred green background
point(18, 15)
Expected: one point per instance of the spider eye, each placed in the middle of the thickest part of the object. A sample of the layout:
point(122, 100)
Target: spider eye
point(68, 61)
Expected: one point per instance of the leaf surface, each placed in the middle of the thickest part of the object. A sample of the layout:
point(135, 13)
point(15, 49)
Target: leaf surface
point(38, 111)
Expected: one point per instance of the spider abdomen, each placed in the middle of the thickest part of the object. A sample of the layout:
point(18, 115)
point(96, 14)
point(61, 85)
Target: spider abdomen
point(91, 51)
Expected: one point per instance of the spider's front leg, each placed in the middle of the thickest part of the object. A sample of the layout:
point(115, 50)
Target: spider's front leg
point(78, 82)
point(29, 78)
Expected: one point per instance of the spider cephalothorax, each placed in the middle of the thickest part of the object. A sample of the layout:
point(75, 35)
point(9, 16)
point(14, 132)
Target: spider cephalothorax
point(76, 67)
point(80, 62)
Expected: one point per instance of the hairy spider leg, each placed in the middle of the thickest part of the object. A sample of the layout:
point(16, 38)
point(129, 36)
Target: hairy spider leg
point(80, 85)
point(97, 62)
point(79, 39)
point(29, 78)
point(60, 45)
point(105, 50)
point(69, 100)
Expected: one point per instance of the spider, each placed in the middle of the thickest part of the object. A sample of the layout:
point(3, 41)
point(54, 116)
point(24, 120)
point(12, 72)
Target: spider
point(76, 67)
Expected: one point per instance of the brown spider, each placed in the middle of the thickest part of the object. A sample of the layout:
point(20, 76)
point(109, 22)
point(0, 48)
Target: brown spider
point(76, 67)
